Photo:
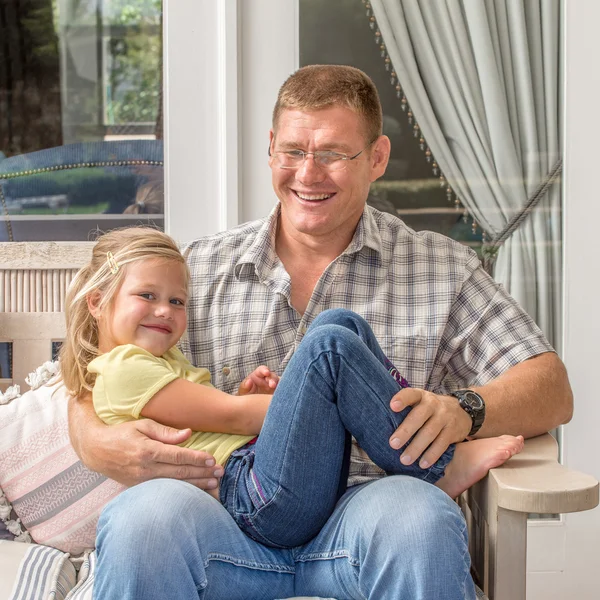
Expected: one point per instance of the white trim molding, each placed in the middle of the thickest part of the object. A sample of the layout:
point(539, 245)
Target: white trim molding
point(228, 75)
point(191, 118)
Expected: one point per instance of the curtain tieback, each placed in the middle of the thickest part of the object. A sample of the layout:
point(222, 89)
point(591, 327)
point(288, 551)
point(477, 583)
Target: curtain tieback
point(491, 247)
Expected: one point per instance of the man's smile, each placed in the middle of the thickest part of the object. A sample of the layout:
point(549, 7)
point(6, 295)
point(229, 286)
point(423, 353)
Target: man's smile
point(313, 197)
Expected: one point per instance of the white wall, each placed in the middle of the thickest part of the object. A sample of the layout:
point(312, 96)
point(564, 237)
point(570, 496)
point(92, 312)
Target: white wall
point(190, 70)
point(269, 55)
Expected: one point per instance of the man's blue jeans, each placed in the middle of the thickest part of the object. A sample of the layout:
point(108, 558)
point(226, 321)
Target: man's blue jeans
point(282, 489)
point(397, 538)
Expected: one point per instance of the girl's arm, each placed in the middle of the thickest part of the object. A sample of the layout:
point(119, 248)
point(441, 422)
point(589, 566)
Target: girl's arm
point(182, 404)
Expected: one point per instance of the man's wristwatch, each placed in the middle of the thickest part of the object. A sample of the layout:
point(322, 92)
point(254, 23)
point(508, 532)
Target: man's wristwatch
point(473, 404)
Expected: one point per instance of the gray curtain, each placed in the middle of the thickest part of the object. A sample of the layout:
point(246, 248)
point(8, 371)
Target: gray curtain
point(482, 80)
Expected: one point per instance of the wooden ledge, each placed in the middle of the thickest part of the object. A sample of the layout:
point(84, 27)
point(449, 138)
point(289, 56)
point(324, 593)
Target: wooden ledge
point(44, 255)
point(534, 482)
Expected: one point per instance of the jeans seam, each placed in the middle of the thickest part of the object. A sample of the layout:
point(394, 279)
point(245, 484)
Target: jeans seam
point(353, 562)
point(316, 556)
point(467, 570)
point(215, 556)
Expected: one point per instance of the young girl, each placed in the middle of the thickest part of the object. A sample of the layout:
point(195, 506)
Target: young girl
point(126, 311)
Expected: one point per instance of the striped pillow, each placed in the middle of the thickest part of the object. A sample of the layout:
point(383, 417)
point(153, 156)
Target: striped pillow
point(31, 572)
point(85, 579)
point(57, 499)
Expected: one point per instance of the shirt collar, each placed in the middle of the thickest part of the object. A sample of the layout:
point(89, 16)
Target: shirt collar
point(367, 234)
point(260, 257)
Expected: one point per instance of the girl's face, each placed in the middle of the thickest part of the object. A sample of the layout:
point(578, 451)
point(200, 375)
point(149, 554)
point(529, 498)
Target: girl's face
point(148, 310)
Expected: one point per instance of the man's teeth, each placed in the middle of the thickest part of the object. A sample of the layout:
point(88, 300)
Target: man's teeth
point(314, 196)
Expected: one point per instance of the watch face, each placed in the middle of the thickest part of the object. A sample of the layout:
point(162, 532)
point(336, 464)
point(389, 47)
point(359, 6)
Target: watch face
point(473, 400)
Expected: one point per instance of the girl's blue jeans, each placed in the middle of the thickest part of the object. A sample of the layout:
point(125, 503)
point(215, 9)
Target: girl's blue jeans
point(282, 489)
point(395, 538)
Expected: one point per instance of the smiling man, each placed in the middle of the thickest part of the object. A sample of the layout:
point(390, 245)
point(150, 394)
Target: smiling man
point(478, 365)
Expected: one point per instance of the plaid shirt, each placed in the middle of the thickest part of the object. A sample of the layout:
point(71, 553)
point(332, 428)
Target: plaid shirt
point(442, 321)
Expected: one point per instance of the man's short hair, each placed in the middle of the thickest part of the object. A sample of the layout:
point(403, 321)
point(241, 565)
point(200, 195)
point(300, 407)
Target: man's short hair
point(316, 87)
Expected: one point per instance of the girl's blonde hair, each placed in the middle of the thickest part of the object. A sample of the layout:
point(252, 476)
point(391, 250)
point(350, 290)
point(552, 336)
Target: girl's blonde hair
point(104, 273)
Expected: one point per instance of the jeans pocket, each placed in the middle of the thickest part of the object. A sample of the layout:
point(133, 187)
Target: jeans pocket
point(245, 495)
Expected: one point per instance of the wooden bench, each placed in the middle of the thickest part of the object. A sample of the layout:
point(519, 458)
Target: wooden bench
point(33, 280)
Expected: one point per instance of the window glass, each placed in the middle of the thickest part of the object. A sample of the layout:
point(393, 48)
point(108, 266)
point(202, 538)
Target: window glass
point(56, 349)
point(80, 117)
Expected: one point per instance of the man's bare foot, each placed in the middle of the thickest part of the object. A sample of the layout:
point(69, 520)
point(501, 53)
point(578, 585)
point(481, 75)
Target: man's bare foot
point(472, 461)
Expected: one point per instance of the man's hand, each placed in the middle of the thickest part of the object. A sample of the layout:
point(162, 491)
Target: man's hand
point(261, 381)
point(434, 421)
point(137, 451)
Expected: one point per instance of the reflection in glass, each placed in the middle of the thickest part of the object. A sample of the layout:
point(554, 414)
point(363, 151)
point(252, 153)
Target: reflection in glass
point(80, 116)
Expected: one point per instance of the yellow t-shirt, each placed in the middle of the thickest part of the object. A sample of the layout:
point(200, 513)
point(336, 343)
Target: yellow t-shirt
point(128, 376)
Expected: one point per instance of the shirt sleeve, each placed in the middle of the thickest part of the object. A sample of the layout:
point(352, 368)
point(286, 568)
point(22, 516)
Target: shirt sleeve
point(487, 333)
point(129, 376)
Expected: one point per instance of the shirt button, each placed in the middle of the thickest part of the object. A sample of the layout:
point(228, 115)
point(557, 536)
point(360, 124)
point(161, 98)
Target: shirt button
point(302, 329)
point(226, 371)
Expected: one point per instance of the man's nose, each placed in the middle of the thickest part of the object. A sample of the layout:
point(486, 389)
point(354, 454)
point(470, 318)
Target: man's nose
point(309, 171)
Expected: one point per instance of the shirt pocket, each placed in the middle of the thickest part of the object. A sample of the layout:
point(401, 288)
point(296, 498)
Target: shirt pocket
point(409, 355)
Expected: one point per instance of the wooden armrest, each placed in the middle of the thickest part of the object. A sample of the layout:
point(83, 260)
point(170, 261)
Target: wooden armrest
point(534, 481)
point(496, 510)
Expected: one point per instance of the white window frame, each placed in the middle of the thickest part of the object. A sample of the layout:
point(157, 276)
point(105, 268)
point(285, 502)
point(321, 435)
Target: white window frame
point(223, 64)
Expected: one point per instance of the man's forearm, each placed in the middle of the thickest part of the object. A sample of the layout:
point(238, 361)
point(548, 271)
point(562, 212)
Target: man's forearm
point(83, 421)
point(529, 399)
point(137, 450)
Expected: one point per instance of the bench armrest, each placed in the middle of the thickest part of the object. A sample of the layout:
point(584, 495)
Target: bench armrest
point(496, 510)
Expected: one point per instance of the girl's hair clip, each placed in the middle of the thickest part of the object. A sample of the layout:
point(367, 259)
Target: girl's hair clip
point(112, 263)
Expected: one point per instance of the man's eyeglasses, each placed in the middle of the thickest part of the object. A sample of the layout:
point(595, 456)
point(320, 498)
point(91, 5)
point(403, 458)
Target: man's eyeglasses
point(324, 159)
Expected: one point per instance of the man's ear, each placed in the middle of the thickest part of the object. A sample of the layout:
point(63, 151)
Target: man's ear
point(380, 156)
point(271, 144)
point(93, 303)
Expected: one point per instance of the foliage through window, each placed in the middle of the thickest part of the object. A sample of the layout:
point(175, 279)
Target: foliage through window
point(80, 116)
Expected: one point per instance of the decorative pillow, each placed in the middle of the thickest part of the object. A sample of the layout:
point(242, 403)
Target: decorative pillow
point(55, 497)
point(31, 572)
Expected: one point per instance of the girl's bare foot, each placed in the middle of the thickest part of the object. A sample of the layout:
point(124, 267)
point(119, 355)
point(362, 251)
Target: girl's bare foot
point(472, 461)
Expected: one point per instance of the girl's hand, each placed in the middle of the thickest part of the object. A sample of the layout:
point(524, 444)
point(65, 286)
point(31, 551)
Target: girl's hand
point(261, 381)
